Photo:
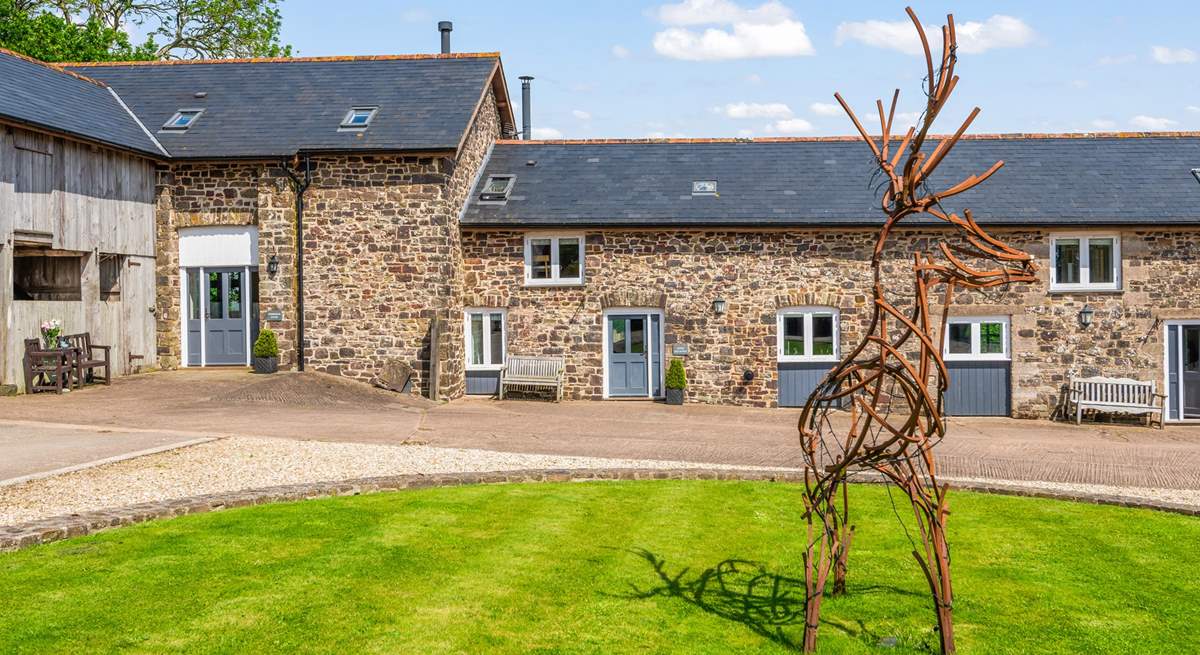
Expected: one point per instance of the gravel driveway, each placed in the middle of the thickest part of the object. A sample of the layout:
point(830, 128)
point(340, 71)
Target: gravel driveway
point(239, 463)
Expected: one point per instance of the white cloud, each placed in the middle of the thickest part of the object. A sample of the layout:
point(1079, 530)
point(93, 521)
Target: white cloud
point(766, 31)
point(1193, 109)
point(906, 118)
point(1116, 60)
point(1165, 55)
point(745, 134)
point(657, 134)
point(754, 78)
point(1143, 122)
point(790, 126)
point(709, 12)
point(1104, 124)
point(547, 133)
point(1078, 84)
point(754, 110)
point(620, 52)
point(581, 114)
point(974, 37)
point(825, 109)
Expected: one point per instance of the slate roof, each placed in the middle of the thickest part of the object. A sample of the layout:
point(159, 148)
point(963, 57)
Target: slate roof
point(277, 107)
point(1046, 180)
point(41, 95)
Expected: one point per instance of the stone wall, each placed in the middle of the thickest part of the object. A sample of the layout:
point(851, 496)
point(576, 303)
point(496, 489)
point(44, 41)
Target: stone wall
point(382, 251)
point(758, 272)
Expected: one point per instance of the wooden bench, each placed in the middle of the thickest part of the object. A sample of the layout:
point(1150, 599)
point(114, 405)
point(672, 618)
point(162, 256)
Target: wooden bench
point(88, 361)
point(1123, 395)
point(527, 373)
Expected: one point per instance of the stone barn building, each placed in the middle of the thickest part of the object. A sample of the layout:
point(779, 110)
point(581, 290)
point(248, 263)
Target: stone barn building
point(376, 213)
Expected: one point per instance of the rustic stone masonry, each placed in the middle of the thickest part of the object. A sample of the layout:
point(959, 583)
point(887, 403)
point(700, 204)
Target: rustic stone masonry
point(75, 525)
point(760, 271)
point(382, 251)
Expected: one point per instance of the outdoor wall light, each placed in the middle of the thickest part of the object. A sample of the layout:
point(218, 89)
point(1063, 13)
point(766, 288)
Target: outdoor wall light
point(273, 265)
point(1085, 315)
point(719, 306)
point(747, 376)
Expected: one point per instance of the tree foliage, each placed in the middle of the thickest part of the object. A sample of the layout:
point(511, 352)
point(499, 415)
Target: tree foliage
point(98, 30)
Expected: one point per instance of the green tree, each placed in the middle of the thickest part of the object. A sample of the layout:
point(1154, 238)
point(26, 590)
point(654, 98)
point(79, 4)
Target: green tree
point(174, 29)
point(48, 37)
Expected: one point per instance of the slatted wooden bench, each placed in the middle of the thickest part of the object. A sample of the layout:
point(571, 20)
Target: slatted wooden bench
point(1122, 395)
point(528, 373)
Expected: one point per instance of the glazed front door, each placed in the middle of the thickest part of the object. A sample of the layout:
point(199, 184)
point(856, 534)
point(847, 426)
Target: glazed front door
point(223, 298)
point(1191, 371)
point(628, 356)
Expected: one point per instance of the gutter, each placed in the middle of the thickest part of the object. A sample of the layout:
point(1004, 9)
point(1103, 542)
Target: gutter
point(299, 186)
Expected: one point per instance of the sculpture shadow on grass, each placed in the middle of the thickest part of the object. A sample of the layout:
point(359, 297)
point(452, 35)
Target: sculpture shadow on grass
point(768, 603)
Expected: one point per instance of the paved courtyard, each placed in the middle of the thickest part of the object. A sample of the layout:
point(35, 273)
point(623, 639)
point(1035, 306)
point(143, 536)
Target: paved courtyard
point(341, 429)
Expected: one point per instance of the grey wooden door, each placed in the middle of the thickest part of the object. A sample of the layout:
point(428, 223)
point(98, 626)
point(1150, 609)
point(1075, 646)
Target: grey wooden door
point(1191, 371)
point(978, 388)
point(225, 316)
point(798, 379)
point(628, 360)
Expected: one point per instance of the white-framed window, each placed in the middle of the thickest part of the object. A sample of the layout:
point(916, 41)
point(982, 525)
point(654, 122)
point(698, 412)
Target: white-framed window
point(553, 259)
point(486, 335)
point(1081, 262)
point(358, 118)
point(807, 334)
point(976, 338)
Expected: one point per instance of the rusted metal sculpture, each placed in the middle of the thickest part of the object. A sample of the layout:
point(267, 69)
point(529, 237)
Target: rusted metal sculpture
point(892, 383)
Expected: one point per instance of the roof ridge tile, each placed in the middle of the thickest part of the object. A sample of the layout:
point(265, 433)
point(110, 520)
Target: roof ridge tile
point(284, 60)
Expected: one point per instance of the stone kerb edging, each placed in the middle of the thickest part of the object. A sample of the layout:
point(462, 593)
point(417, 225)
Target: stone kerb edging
point(74, 525)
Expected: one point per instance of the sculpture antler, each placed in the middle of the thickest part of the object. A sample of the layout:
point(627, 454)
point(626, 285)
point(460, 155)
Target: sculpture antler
point(907, 192)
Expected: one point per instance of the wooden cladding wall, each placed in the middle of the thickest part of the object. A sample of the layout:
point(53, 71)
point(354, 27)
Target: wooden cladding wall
point(66, 201)
point(86, 197)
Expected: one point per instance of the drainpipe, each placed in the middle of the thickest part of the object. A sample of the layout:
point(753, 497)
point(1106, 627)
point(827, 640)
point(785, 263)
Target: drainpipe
point(299, 186)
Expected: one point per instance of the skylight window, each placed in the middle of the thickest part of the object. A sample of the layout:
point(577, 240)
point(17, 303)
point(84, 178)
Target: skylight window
point(497, 187)
point(358, 118)
point(183, 119)
point(704, 188)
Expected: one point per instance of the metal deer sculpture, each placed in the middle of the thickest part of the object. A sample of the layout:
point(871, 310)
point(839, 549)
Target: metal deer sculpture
point(892, 382)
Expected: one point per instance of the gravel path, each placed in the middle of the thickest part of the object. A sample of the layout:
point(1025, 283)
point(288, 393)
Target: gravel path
point(239, 463)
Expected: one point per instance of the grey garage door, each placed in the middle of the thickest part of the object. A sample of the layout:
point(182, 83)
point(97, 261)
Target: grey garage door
point(798, 379)
point(978, 388)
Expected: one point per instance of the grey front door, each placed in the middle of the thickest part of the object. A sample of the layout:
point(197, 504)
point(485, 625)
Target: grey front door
point(224, 294)
point(1191, 371)
point(628, 358)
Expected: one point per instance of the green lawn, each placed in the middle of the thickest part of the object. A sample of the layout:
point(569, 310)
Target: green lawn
point(571, 568)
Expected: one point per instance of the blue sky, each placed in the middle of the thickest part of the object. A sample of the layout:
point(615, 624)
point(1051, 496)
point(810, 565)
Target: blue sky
point(721, 68)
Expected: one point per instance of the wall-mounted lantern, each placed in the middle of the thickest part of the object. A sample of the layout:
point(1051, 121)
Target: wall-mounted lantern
point(719, 306)
point(1085, 315)
point(273, 265)
point(747, 376)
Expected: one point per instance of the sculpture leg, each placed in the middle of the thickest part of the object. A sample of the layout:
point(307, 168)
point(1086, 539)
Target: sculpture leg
point(820, 554)
point(846, 536)
point(930, 511)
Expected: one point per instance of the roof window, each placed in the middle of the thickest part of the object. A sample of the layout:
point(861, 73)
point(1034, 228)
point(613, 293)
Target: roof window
point(358, 118)
point(704, 188)
point(497, 187)
point(182, 119)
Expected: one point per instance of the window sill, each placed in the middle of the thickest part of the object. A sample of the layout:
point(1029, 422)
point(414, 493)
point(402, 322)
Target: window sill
point(485, 367)
point(808, 360)
point(574, 282)
point(1065, 290)
point(976, 358)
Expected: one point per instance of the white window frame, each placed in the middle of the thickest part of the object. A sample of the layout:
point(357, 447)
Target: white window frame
point(487, 341)
point(170, 125)
point(1085, 272)
point(807, 312)
point(554, 280)
point(348, 125)
point(975, 355)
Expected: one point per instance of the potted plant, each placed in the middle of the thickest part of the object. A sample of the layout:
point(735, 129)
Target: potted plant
point(266, 352)
point(676, 382)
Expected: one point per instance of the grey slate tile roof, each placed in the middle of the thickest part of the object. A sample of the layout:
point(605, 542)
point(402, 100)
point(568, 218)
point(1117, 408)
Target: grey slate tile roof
point(1046, 180)
point(278, 107)
point(43, 96)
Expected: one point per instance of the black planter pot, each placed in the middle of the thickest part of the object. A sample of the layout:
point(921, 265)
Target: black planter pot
point(266, 364)
point(675, 396)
